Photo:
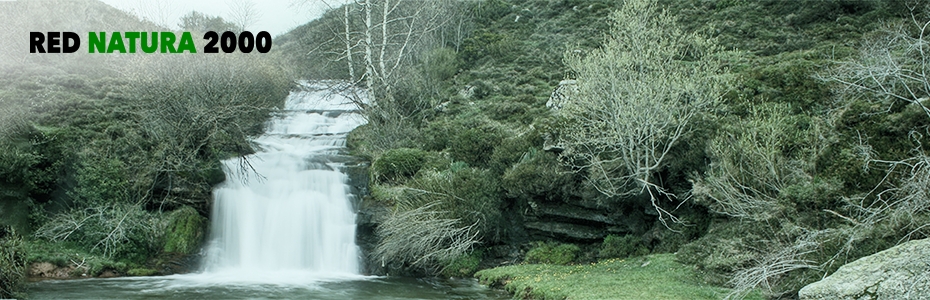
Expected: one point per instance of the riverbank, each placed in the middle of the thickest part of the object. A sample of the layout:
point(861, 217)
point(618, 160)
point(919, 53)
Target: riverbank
point(656, 276)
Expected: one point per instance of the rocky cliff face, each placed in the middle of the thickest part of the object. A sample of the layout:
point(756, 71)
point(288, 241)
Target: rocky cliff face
point(901, 272)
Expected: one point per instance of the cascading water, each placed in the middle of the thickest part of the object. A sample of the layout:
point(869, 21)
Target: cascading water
point(289, 209)
point(283, 231)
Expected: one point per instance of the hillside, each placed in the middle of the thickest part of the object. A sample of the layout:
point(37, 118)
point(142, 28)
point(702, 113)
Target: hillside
point(107, 161)
point(772, 172)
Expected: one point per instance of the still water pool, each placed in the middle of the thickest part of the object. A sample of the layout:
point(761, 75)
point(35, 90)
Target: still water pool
point(198, 286)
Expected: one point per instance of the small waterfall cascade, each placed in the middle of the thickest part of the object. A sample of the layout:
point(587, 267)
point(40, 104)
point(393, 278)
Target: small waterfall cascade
point(286, 208)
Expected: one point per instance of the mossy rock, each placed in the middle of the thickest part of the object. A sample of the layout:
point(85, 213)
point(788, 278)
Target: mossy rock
point(464, 266)
point(185, 231)
point(142, 272)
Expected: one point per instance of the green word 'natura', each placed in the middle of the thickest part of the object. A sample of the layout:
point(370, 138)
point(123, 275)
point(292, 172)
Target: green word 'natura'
point(127, 42)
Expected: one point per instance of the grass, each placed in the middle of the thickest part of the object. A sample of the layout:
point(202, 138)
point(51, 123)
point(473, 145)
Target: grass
point(656, 276)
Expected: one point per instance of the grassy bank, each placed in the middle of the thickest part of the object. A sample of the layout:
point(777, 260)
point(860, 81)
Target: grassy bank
point(656, 276)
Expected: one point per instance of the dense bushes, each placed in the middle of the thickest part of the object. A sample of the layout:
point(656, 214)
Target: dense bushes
point(12, 264)
point(111, 230)
point(438, 216)
point(397, 164)
point(615, 246)
point(552, 253)
point(475, 145)
point(537, 175)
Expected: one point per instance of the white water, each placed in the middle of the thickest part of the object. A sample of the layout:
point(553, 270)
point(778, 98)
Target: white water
point(289, 235)
point(291, 219)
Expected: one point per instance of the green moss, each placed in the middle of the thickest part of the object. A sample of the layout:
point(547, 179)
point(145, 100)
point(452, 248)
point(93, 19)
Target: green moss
point(463, 266)
point(141, 272)
point(185, 231)
point(650, 277)
point(552, 253)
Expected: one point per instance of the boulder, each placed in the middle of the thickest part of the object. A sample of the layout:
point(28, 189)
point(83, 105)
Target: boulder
point(562, 94)
point(901, 272)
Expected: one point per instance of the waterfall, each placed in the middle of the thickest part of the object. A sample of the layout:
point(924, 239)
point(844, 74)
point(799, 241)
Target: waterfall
point(286, 208)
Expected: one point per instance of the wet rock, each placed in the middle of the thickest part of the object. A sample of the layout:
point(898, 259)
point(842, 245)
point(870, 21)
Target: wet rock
point(567, 231)
point(577, 213)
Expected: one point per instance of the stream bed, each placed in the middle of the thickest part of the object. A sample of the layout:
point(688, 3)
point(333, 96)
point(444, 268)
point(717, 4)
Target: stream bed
point(205, 286)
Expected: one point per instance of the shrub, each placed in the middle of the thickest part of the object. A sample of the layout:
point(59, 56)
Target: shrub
point(476, 145)
point(505, 108)
point(436, 135)
point(467, 194)
point(727, 247)
point(537, 175)
point(438, 216)
point(112, 230)
point(437, 161)
point(484, 45)
point(398, 164)
point(423, 236)
point(758, 158)
point(615, 246)
point(12, 266)
point(552, 253)
point(440, 64)
point(512, 149)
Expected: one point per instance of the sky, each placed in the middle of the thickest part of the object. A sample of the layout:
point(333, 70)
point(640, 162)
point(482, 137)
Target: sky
point(274, 16)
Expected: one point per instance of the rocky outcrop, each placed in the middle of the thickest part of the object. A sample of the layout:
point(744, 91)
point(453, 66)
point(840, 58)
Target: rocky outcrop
point(901, 272)
point(562, 94)
point(567, 231)
point(575, 222)
point(49, 270)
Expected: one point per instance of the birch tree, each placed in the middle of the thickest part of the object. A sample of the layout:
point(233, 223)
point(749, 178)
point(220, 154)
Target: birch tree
point(243, 13)
point(637, 97)
point(380, 42)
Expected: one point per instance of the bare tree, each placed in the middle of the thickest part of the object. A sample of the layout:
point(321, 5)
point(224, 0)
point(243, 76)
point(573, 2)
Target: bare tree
point(893, 67)
point(243, 13)
point(160, 12)
point(636, 98)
